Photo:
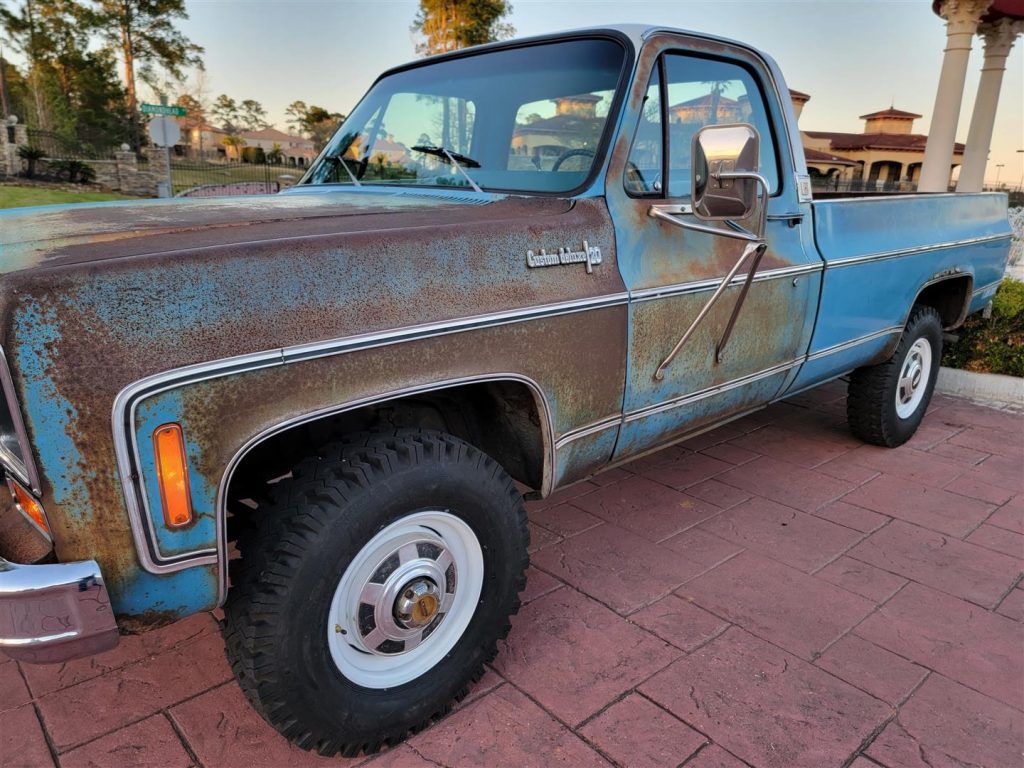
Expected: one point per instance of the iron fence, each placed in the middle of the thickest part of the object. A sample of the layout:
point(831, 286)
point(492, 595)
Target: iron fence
point(821, 184)
point(58, 147)
point(194, 178)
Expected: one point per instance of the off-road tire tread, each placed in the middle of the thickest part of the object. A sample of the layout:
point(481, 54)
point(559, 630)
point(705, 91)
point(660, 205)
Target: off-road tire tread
point(870, 386)
point(273, 547)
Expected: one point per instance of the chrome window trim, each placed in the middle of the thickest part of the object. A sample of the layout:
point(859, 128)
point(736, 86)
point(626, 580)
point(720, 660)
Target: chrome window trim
point(124, 422)
point(25, 471)
point(699, 286)
point(550, 455)
point(769, 72)
point(883, 255)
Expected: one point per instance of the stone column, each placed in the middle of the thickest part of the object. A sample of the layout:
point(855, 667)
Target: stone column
point(999, 37)
point(962, 17)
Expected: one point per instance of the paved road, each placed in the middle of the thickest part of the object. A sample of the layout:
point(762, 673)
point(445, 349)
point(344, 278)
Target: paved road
point(773, 593)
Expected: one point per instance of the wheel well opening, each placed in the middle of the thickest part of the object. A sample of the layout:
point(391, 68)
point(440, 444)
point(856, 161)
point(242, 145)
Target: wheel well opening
point(950, 298)
point(502, 418)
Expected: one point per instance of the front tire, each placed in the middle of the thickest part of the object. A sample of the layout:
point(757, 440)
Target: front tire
point(374, 587)
point(886, 402)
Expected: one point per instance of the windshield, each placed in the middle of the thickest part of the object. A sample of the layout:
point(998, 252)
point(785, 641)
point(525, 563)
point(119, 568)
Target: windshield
point(527, 119)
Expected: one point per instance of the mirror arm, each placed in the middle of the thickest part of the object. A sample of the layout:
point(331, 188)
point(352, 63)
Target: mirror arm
point(670, 212)
point(749, 249)
point(762, 217)
point(720, 349)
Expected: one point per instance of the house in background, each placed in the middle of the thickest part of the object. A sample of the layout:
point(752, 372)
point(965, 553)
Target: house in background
point(575, 125)
point(200, 140)
point(886, 155)
point(296, 150)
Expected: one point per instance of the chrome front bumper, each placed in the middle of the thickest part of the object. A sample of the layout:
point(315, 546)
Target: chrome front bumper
point(53, 613)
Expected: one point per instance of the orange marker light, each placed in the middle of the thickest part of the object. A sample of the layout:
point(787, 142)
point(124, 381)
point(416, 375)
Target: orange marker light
point(28, 505)
point(172, 471)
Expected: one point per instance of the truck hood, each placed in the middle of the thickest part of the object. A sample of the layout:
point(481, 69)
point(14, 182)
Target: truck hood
point(61, 235)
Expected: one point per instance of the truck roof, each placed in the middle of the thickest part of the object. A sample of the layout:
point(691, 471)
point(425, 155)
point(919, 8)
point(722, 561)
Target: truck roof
point(635, 32)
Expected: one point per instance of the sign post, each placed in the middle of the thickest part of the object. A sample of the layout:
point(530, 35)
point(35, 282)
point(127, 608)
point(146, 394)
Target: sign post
point(164, 132)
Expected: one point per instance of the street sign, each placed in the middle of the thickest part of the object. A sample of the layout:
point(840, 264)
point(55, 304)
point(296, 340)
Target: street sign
point(163, 131)
point(171, 110)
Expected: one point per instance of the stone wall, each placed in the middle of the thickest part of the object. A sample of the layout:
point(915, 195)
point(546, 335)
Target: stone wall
point(10, 163)
point(124, 173)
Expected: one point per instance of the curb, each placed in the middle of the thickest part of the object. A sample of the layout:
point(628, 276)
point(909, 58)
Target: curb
point(990, 387)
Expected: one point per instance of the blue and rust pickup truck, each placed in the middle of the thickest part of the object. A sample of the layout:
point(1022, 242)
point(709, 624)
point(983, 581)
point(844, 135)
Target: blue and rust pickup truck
point(513, 267)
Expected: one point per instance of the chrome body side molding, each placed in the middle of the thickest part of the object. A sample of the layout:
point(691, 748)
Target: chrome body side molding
point(835, 348)
point(699, 286)
point(883, 255)
point(124, 421)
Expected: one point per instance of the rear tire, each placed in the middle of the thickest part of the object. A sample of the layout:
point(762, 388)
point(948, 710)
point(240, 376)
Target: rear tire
point(886, 402)
point(374, 587)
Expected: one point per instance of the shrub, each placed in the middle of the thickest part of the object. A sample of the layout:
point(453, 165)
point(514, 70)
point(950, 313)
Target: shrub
point(254, 155)
point(73, 171)
point(31, 155)
point(995, 345)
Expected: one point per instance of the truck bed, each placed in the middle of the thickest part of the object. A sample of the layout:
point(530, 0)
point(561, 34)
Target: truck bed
point(880, 250)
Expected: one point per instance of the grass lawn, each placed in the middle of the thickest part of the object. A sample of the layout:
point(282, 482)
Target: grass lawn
point(13, 196)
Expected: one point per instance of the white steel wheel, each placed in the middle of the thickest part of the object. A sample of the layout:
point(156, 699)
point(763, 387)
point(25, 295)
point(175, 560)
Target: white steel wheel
point(913, 379)
point(405, 599)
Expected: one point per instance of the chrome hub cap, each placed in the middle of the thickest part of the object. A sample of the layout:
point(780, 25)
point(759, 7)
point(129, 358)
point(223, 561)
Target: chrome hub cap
point(418, 604)
point(913, 378)
point(405, 599)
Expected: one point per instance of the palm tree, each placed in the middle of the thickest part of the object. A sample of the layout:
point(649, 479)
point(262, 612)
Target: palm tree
point(717, 88)
point(236, 142)
point(31, 155)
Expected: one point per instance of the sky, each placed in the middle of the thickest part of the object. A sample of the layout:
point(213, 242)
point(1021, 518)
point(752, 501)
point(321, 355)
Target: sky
point(852, 56)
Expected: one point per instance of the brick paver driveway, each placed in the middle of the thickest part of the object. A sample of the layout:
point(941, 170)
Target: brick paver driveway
point(773, 593)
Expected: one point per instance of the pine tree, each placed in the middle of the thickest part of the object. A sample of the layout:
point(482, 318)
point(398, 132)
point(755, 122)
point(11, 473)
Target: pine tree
point(144, 32)
point(447, 25)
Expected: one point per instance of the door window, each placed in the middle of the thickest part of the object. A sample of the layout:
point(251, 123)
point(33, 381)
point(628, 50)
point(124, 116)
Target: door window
point(644, 167)
point(698, 92)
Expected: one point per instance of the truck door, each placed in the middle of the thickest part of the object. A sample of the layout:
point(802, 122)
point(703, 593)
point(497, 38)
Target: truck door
point(672, 271)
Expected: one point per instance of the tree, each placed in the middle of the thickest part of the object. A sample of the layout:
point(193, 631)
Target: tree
point(236, 142)
point(447, 25)
point(74, 91)
point(225, 111)
point(253, 115)
point(195, 113)
point(144, 32)
point(313, 122)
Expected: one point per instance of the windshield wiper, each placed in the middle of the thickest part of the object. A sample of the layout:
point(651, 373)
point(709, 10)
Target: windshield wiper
point(338, 160)
point(456, 159)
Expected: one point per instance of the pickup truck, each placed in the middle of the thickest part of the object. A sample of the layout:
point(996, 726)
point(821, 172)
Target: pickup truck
point(513, 267)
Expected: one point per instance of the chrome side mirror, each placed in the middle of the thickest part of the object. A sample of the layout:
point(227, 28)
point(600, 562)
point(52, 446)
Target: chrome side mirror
point(725, 177)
